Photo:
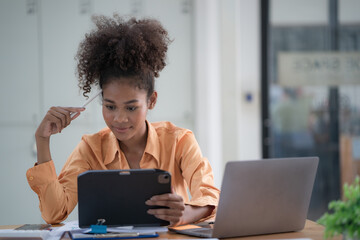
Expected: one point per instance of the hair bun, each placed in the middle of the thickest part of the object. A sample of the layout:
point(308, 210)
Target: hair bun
point(131, 46)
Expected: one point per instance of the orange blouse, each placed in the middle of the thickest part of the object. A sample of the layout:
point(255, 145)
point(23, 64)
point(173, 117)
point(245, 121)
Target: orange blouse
point(168, 148)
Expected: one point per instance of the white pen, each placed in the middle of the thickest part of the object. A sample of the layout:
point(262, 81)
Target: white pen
point(86, 103)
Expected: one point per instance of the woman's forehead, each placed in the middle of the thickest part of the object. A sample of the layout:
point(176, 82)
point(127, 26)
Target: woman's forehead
point(118, 91)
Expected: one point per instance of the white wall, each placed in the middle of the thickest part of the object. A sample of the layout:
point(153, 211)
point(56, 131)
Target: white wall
point(228, 69)
point(19, 106)
point(208, 82)
point(248, 78)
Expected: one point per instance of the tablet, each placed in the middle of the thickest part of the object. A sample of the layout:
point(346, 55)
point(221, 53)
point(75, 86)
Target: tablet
point(118, 196)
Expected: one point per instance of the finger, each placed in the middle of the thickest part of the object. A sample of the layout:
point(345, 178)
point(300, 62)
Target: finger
point(58, 126)
point(169, 204)
point(66, 114)
point(55, 126)
point(53, 121)
point(54, 111)
point(166, 211)
point(62, 114)
point(172, 219)
point(71, 113)
point(74, 110)
point(167, 197)
point(174, 224)
point(74, 116)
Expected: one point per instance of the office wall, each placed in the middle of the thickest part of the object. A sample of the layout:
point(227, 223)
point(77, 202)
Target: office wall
point(19, 106)
point(39, 39)
point(240, 78)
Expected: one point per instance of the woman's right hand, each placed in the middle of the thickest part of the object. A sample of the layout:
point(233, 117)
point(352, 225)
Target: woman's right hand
point(56, 119)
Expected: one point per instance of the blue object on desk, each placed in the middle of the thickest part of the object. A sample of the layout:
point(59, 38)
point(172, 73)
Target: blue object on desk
point(98, 229)
point(73, 235)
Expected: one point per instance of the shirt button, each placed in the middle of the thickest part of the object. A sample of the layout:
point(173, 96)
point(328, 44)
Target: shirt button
point(31, 178)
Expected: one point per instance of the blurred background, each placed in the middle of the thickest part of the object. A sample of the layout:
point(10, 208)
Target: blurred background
point(252, 79)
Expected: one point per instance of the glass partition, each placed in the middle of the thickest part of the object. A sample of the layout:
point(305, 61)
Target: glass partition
point(313, 90)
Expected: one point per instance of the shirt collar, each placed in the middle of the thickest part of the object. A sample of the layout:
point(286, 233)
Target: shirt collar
point(111, 148)
point(152, 145)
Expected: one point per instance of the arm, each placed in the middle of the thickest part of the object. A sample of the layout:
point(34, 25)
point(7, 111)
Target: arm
point(197, 172)
point(177, 212)
point(56, 195)
point(55, 120)
point(195, 213)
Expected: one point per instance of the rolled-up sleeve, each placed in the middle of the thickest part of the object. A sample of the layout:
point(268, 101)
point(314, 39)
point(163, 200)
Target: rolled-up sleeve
point(197, 173)
point(58, 194)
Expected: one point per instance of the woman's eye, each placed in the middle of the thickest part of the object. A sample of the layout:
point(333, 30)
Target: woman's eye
point(110, 107)
point(131, 109)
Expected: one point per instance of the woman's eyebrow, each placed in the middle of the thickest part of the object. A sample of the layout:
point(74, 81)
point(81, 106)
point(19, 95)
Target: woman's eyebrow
point(108, 100)
point(131, 101)
point(127, 102)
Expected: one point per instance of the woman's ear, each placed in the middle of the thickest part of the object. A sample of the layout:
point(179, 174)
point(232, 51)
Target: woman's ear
point(152, 100)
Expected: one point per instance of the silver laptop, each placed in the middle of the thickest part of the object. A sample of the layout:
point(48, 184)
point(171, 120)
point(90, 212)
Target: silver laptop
point(261, 197)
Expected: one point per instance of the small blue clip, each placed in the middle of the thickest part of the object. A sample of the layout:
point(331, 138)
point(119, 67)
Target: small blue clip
point(99, 228)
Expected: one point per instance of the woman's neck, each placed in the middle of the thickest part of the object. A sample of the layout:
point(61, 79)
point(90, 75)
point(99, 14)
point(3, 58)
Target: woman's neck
point(134, 148)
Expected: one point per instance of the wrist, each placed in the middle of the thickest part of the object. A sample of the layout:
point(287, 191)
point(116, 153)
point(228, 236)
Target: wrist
point(41, 139)
point(194, 214)
point(43, 149)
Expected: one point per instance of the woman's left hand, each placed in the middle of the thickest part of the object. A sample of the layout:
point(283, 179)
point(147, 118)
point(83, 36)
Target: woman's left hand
point(175, 211)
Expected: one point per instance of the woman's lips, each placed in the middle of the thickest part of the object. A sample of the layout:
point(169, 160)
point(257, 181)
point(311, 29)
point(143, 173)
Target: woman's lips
point(121, 129)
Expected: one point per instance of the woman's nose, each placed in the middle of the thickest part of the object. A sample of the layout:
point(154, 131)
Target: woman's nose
point(120, 117)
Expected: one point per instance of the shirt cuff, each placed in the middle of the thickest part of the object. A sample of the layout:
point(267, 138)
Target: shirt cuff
point(40, 175)
point(204, 201)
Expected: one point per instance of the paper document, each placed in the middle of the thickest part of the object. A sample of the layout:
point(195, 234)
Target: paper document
point(73, 226)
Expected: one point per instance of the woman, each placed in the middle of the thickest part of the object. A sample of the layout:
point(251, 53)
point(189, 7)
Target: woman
point(123, 58)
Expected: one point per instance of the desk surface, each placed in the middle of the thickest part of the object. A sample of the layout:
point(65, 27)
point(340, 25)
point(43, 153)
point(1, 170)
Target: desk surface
point(312, 230)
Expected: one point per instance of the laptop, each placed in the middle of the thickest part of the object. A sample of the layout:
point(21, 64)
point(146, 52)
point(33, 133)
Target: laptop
point(260, 197)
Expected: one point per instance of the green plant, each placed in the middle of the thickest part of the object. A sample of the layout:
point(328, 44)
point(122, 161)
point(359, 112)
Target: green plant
point(345, 216)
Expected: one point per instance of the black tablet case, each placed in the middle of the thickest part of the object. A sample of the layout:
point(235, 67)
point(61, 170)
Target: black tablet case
point(119, 196)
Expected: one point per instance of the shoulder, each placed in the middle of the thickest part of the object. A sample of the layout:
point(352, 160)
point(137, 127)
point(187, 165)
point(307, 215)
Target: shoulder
point(168, 129)
point(103, 135)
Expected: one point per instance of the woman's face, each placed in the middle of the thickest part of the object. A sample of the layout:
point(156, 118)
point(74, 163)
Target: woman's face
point(125, 108)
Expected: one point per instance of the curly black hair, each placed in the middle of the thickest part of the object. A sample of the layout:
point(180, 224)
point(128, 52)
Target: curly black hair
point(132, 49)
